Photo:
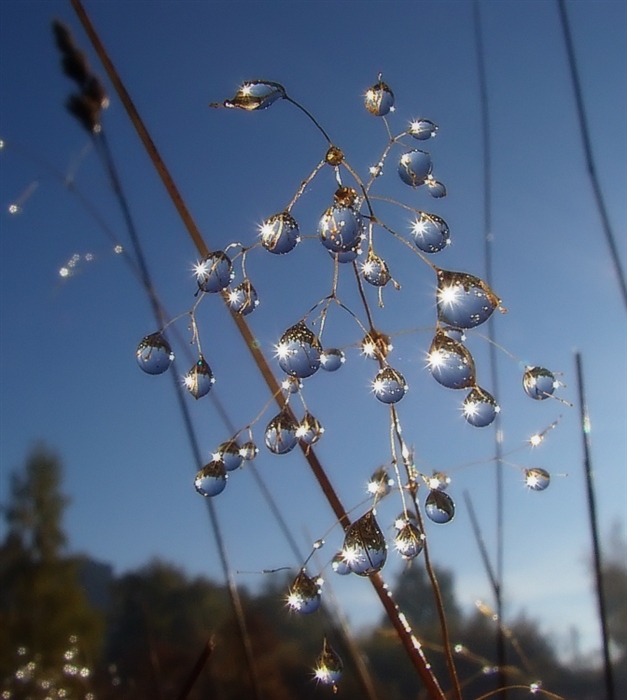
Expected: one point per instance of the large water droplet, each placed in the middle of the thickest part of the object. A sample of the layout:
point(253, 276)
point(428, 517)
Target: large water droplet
point(214, 273)
point(480, 408)
point(230, 454)
point(341, 229)
point(280, 234)
point(423, 129)
point(329, 666)
point(339, 565)
point(332, 359)
point(298, 351)
point(379, 99)
point(280, 436)
point(539, 383)
point(249, 451)
point(375, 270)
point(199, 379)
point(430, 233)
point(450, 363)
point(243, 298)
point(304, 594)
point(365, 549)
point(537, 479)
point(464, 300)
point(439, 507)
point(310, 429)
point(256, 95)
point(380, 483)
point(409, 541)
point(389, 385)
point(154, 354)
point(414, 167)
point(211, 479)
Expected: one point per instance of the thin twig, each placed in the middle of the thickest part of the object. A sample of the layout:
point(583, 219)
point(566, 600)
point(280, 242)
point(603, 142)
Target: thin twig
point(205, 655)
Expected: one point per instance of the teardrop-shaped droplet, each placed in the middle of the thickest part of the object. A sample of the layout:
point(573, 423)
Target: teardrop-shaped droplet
point(154, 354)
point(291, 385)
point(450, 363)
point(480, 407)
point(249, 451)
point(339, 565)
point(280, 234)
point(423, 129)
point(199, 379)
point(409, 541)
point(414, 167)
point(211, 479)
point(375, 270)
point(214, 273)
point(379, 99)
point(439, 507)
point(365, 549)
point(310, 429)
point(439, 481)
point(539, 383)
point(389, 385)
point(243, 298)
point(376, 345)
point(256, 95)
point(280, 434)
point(537, 479)
point(230, 455)
point(329, 666)
point(298, 351)
point(380, 483)
point(464, 301)
point(340, 229)
point(304, 594)
point(430, 233)
point(436, 189)
point(332, 359)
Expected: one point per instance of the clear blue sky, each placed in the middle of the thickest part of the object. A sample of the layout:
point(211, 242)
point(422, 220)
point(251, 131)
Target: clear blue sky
point(68, 373)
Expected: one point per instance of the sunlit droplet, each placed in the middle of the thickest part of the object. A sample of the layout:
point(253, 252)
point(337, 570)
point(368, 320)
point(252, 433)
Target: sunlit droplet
point(309, 429)
point(154, 354)
point(199, 379)
point(329, 666)
point(376, 345)
point(430, 233)
point(291, 385)
point(464, 301)
point(423, 129)
point(365, 549)
point(304, 594)
point(214, 273)
point(480, 408)
point(280, 436)
point(436, 189)
point(332, 359)
point(340, 229)
point(389, 385)
point(345, 196)
point(380, 483)
point(409, 541)
point(243, 298)
point(537, 479)
point(450, 363)
point(211, 479)
point(334, 156)
point(249, 451)
point(414, 167)
point(379, 99)
point(375, 270)
point(298, 351)
point(280, 234)
point(231, 455)
point(539, 383)
point(256, 95)
point(439, 507)
point(339, 565)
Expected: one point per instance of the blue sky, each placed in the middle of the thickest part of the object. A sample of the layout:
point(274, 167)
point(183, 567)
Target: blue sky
point(68, 372)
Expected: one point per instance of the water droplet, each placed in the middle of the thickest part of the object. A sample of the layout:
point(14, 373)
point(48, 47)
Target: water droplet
point(345, 196)
point(423, 129)
point(375, 270)
point(365, 549)
point(439, 481)
point(439, 507)
point(339, 565)
point(280, 436)
point(450, 363)
point(539, 383)
point(230, 454)
point(379, 99)
point(329, 666)
point(154, 354)
point(291, 385)
point(211, 479)
point(199, 379)
point(280, 234)
point(430, 233)
point(480, 408)
point(298, 351)
point(249, 451)
point(243, 298)
point(435, 189)
point(214, 273)
point(389, 385)
point(376, 345)
point(537, 479)
point(414, 167)
point(334, 156)
point(332, 359)
point(341, 229)
point(310, 429)
point(256, 95)
point(464, 300)
point(304, 594)
point(380, 483)
point(409, 541)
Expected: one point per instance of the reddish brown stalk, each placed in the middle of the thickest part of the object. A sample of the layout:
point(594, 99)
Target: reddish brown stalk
point(205, 655)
